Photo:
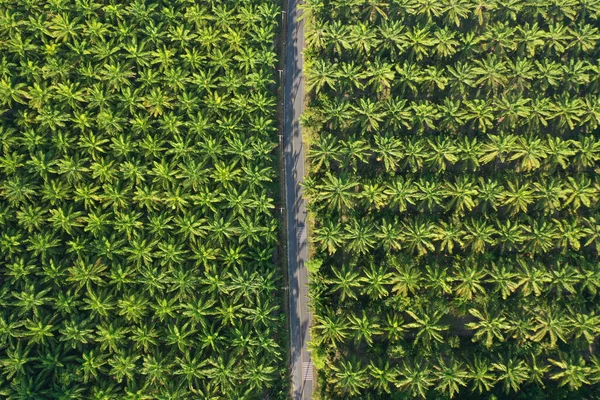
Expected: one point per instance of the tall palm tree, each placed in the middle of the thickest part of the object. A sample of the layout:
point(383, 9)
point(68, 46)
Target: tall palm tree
point(428, 327)
point(349, 377)
point(489, 326)
point(511, 372)
point(416, 377)
point(332, 329)
point(451, 375)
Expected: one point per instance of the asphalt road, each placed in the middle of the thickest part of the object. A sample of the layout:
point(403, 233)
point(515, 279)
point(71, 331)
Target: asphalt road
point(293, 97)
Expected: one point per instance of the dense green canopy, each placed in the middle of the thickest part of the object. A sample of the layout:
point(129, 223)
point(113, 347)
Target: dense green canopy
point(137, 182)
point(454, 189)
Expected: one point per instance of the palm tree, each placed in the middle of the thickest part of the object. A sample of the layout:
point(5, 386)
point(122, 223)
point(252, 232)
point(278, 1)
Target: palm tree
point(584, 325)
point(550, 322)
point(565, 278)
point(512, 372)
point(450, 374)
point(351, 76)
point(443, 151)
point(532, 279)
point(363, 38)
point(391, 32)
point(394, 327)
point(479, 235)
point(447, 42)
point(585, 35)
point(428, 327)
point(383, 375)
point(462, 78)
point(38, 332)
point(493, 75)
point(588, 151)
point(337, 37)
point(567, 111)
point(510, 235)
point(389, 150)
point(339, 192)
point(345, 281)
point(569, 234)
point(550, 195)
point(408, 78)
point(418, 234)
point(316, 36)
point(375, 9)
point(481, 375)
point(530, 150)
point(579, 191)
point(415, 153)
point(468, 280)
point(360, 236)
point(425, 113)
point(449, 234)
point(389, 235)
point(329, 236)
point(431, 197)
point(331, 328)
point(223, 372)
point(517, 197)
point(456, 10)
point(354, 150)
point(416, 377)
point(573, 371)
point(480, 112)
point(319, 75)
point(376, 279)
point(323, 151)
point(349, 377)
point(379, 75)
point(489, 326)
point(369, 114)
point(539, 237)
point(258, 374)
point(364, 327)
point(461, 194)
point(406, 279)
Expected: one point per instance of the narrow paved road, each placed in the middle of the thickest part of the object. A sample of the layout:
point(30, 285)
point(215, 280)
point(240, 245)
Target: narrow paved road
point(293, 97)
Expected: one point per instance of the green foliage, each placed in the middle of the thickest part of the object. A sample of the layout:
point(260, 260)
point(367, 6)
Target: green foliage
point(137, 169)
point(454, 183)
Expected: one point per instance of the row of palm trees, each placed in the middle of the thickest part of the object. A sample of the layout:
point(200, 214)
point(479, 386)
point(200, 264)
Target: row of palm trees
point(449, 377)
point(506, 277)
point(438, 153)
point(451, 13)
point(428, 315)
point(138, 232)
point(419, 40)
point(366, 115)
point(453, 192)
point(506, 195)
point(422, 236)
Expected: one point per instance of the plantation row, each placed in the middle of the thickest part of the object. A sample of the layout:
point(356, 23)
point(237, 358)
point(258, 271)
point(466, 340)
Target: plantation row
point(464, 278)
point(438, 153)
point(509, 193)
point(446, 378)
point(138, 242)
point(453, 195)
point(460, 78)
point(505, 115)
point(403, 331)
point(421, 236)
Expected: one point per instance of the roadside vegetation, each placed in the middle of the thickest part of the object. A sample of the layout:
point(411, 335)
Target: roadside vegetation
point(137, 187)
point(454, 188)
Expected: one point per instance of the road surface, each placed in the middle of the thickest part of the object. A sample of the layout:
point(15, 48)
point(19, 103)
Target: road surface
point(293, 97)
